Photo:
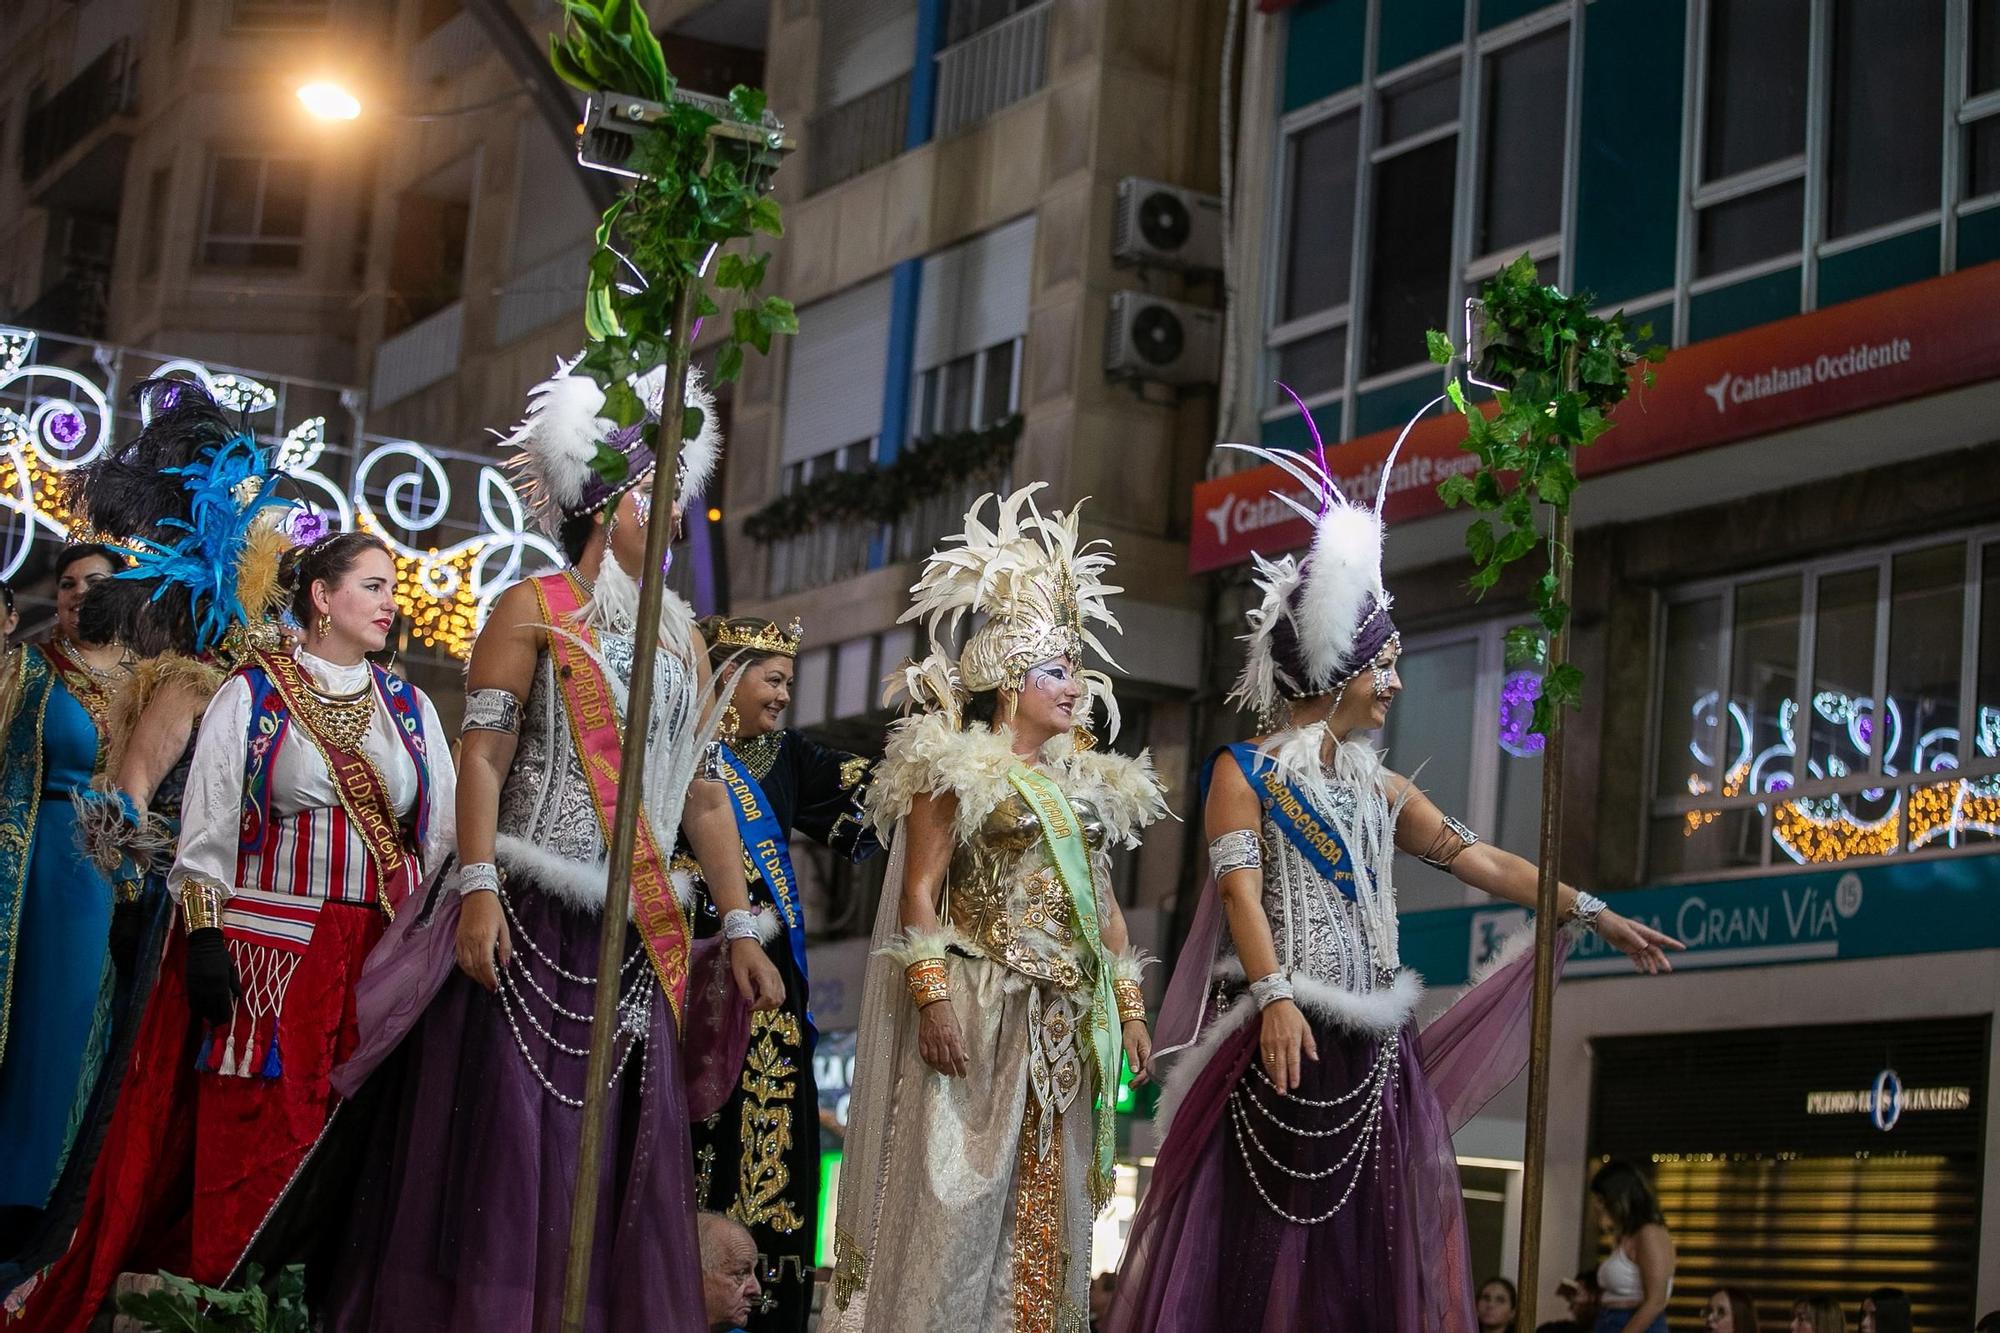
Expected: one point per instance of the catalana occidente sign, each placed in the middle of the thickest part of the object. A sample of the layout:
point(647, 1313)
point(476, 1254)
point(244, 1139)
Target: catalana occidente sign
point(1881, 910)
point(1904, 343)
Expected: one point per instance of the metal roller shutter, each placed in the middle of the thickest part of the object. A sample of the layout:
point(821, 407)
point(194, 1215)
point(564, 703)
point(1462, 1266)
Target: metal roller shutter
point(863, 45)
point(975, 294)
point(839, 365)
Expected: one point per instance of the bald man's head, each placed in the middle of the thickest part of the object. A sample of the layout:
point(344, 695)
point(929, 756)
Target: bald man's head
point(728, 1270)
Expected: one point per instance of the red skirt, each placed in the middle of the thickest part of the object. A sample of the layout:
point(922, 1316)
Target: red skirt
point(193, 1161)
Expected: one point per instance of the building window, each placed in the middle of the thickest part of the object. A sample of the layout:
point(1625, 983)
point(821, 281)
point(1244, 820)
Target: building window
point(1885, 136)
point(1415, 170)
point(1772, 749)
point(1981, 109)
point(1523, 106)
point(854, 457)
point(1460, 728)
point(969, 392)
point(158, 187)
point(256, 216)
point(1750, 191)
point(966, 17)
point(1309, 340)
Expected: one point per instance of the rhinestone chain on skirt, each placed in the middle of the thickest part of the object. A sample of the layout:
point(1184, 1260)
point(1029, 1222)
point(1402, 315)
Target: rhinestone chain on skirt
point(635, 1007)
point(1364, 1123)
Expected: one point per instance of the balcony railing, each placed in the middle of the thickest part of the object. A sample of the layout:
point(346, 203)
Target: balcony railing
point(827, 554)
point(866, 131)
point(108, 86)
point(994, 68)
point(418, 357)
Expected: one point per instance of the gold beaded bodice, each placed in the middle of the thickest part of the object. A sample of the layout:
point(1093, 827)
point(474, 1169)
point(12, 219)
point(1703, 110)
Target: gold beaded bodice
point(1007, 900)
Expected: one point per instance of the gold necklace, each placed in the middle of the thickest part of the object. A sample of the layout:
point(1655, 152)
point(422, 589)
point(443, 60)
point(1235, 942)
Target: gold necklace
point(759, 752)
point(342, 720)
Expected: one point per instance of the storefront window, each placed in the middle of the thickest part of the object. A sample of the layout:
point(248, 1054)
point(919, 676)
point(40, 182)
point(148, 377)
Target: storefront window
point(1846, 765)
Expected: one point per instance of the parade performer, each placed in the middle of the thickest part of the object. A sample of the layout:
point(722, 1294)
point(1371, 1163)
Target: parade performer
point(319, 795)
point(187, 636)
point(757, 1159)
point(980, 1131)
point(1306, 1179)
point(57, 980)
point(464, 1217)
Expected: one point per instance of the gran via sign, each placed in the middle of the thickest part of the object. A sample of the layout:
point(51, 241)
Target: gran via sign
point(1882, 910)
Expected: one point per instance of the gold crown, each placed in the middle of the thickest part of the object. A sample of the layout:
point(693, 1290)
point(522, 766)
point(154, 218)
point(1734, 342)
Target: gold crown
point(765, 639)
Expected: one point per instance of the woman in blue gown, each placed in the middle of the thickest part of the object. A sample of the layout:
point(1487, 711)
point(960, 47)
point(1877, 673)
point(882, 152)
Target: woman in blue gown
point(57, 979)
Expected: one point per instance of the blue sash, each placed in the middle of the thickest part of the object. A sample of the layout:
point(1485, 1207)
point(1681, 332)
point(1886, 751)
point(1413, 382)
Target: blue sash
point(1293, 815)
point(770, 852)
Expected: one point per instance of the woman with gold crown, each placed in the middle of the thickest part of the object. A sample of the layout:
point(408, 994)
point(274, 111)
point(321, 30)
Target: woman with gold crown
point(757, 1159)
point(1002, 987)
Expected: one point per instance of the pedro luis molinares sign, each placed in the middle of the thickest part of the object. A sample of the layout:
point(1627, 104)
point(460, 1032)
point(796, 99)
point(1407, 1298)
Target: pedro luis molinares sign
point(1886, 1100)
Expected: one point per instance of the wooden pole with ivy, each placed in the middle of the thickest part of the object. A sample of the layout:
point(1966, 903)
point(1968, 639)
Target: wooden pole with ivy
point(1556, 370)
point(700, 169)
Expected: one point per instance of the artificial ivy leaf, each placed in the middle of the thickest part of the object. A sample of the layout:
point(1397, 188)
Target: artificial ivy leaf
point(729, 362)
point(1484, 578)
point(600, 320)
point(766, 217)
point(1526, 646)
point(1554, 617)
point(1455, 491)
point(1517, 543)
point(1520, 273)
point(692, 420)
point(778, 316)
point(731, 271)
point(1563, 686)
point(749, 328)
point(1556, 483)
point(622, 406)
point(610, 465)
point(1479, 540)
point(1438, 346)
point(1457, 396)
point(747, 102)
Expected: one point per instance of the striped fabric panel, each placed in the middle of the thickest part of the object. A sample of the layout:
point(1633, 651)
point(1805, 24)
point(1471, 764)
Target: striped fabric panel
point(314, 854)
point(281, 920)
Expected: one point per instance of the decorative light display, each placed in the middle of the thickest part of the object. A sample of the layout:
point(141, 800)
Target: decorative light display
point(1518, 693)
point(1869, 821)
point(444, 590)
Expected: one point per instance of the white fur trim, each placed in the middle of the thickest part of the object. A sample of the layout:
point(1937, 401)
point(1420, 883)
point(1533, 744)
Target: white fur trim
point(1131, 964)
point(1380, 1014)
point(698, 455)
point(917, 944)
point(578, 884)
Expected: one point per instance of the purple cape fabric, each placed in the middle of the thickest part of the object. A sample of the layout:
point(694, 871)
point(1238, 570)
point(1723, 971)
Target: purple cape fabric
point(462, 1219)
point(1197, 1233)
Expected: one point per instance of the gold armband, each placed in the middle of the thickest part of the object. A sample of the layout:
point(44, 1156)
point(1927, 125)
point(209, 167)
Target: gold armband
point(201, 903)
point(927, 982)
point(1131, 1001)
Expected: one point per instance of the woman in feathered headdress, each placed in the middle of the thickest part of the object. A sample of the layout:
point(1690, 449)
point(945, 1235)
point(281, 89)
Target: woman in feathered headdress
point(465, 1214)
point(316, 802)
point(1002, 987)
point(1306, 1179)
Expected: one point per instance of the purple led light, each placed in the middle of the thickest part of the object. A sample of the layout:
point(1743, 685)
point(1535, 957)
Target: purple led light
point(1518, 693)
point(308, 526)
point(65, 428)
point(1864, 727)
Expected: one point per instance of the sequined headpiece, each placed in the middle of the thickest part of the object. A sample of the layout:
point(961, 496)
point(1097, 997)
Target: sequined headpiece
point(1038, 585)
point(764, 640)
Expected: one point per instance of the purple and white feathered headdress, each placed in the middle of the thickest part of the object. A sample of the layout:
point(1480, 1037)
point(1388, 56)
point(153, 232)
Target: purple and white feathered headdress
point(564, 435)
point(1324, 619)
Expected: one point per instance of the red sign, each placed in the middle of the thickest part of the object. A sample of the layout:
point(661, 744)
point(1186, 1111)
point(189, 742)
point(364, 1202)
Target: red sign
point(1881, 349)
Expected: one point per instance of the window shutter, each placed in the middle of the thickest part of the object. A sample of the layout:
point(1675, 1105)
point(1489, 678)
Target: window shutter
point(976, 293)
point(863, 45)
point(839, 365)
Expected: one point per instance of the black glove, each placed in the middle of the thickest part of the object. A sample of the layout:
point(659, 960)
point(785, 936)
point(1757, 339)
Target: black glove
point(128, 925)
point(211, 977)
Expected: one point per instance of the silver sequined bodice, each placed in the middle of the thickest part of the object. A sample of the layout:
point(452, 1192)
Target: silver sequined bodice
point(546, 799)
point(1317, 929)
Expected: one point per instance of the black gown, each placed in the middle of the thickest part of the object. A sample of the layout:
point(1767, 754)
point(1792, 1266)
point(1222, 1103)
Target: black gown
point(757, 1159)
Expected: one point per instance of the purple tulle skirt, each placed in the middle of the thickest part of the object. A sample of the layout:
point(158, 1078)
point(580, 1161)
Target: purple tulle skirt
point(1209, 1251)
point(464, 1211)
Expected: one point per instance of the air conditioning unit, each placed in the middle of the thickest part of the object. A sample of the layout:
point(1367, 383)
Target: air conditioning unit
point(1167, 342)
point(1168, 227)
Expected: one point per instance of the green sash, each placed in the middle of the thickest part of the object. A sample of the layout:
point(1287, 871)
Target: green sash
point(1062, 833)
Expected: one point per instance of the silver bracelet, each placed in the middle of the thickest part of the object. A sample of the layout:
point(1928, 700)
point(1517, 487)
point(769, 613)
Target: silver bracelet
point(1451, 839)
point(1238, 849)
point(492, 710)
point(478, 877)
point(1587, 909)
point(740, 924)
point(1268, 990)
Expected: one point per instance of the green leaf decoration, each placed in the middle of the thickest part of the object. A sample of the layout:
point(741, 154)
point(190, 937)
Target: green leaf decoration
point(1563, 370)
point(610, 465)
point(883, 494)
point(691, 422)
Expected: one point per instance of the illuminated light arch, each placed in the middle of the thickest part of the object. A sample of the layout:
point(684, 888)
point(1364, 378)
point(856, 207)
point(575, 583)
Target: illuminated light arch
point(443, 591)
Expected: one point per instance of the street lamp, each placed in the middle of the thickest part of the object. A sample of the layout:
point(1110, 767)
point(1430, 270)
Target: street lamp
point(329, 101)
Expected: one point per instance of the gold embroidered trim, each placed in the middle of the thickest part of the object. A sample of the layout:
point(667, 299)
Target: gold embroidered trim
point(850, 1268)
point(769, 1080)
point(1038, 1243)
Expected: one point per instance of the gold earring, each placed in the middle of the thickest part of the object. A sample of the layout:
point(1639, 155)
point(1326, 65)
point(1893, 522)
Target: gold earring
point(732, 723)
point(325, 624)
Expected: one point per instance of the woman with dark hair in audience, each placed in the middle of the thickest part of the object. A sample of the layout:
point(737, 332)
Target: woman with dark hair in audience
point(1818, 1314)
point(319, 796)
point(1729, 1311)
point(1637, 1277)
point(1496, 1305)
point(56, 975)
point(1885, 1310)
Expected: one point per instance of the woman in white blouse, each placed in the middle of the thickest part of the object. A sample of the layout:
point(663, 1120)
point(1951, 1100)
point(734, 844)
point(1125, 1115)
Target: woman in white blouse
point(319, 800)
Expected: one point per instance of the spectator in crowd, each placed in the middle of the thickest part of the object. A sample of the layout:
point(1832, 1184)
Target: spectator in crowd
point(1497, 1303)
point(1730, 1311)
point(1103, 1289)
point(1885, 1310)
point(1988, 1323)
point(1581, 1293)
point(728, 1271)
point(10, 617)
point(1818, 1314)
point(1637, 1277)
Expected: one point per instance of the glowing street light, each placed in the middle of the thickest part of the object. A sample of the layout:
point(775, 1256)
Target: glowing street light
point(329, 101)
